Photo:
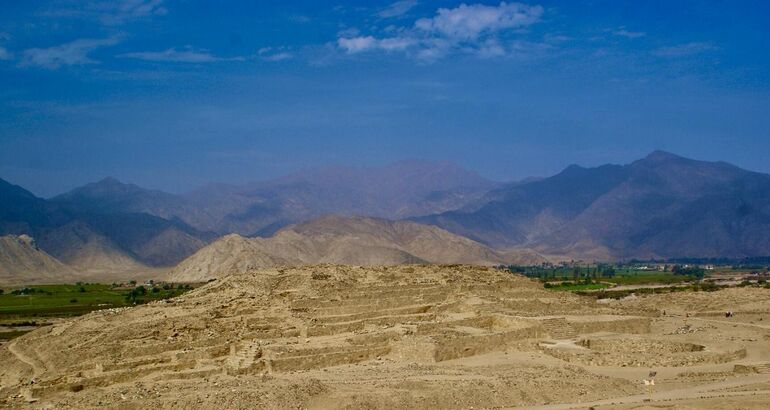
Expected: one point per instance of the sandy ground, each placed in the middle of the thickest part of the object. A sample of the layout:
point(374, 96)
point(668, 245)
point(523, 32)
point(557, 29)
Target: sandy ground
point(398, 337)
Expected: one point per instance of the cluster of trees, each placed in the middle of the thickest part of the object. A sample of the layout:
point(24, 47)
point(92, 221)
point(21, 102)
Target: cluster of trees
point(575, 272)
point(137, 294)
point(26, 291)
point(688, 271)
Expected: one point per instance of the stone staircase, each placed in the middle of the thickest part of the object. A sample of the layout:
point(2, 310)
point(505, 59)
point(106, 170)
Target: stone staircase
point(558, 328)
point(244, 358)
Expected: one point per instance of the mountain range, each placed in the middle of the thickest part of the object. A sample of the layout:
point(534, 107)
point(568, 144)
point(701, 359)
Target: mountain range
point(661, 206)
point(399, 190)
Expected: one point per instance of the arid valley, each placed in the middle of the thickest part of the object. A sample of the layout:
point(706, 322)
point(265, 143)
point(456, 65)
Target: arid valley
point(389, 204)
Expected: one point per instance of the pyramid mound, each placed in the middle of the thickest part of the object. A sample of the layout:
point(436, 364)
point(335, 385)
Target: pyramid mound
point(246, 327)
point(22, 261)
point(340, 240)
point(416, 336)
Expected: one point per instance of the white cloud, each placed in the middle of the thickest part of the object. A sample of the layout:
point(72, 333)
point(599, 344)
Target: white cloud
point(398, 8)
point(172, 55)
point(684, 49)
point(357, 44)
point(471, 29)
point(622, 32)
point(274, 55)
point(110, 12)
point(73, 53)
point(469, 22)
point(491, 48)
point(5, 54)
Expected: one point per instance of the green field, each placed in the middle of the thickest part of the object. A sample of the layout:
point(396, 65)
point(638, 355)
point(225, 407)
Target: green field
point(48, 301)
point(568, 286)
point(601, 274)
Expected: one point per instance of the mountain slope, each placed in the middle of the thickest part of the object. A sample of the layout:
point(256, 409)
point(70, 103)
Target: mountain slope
point(661, 206)
point(340, 240)
point(398, 190)
point(22, 261)
point(94, 235)
point(77, 245)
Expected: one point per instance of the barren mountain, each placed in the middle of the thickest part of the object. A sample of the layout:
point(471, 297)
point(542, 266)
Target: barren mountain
point(23, 262)
point(402, 189)
point(335, 239)
point(96, 236)
point(85, 250)
point(661, 206)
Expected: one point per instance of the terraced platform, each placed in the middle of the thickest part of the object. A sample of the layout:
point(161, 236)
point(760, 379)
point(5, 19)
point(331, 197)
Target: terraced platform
point(321, 321)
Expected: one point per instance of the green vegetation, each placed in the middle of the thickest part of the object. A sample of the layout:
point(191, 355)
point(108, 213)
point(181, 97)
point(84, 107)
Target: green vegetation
point(73, 300)
point(619, 294)
point(571, 286)
point(610, 274)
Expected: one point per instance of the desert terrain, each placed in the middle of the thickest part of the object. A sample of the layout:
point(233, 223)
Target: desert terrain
point(407, 336)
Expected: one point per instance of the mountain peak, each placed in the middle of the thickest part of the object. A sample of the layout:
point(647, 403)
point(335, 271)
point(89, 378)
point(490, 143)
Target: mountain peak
point(661, 156)
point(109, 181)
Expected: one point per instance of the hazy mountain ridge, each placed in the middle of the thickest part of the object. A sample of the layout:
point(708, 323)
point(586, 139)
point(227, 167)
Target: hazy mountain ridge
point(660, 206)
point(94, 236)
point(398, 190)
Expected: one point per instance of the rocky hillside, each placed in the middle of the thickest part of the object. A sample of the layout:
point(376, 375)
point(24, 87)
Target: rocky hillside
point(340, 240)
point(22, 262)
point(661, 206)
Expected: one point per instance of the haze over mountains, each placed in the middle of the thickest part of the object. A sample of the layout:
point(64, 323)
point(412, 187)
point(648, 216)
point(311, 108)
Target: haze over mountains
point(399, 190)
point(662, 206)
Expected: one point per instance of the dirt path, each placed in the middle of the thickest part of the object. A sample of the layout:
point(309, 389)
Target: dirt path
point(30, 361)
point(696, 392)
point(726, 322)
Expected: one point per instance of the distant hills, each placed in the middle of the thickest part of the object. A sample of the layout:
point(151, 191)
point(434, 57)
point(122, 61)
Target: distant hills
point(341, 240)
point(20, 255)
point(399, 190)
point(661, 206)
point(93, 238)
point(111, 226)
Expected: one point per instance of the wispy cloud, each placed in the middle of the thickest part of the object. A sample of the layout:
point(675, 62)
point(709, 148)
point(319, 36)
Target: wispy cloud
point(110, 12)
point(622, 32)
point(471, 29)
point(274, 55)
point(172, 55)
point(398, 8)
point(684, 49)
point(73, 53)
point(469, 22)
point(5, 54)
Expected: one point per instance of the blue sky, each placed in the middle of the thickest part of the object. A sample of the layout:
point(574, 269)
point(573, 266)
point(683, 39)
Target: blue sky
point(172, 94)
